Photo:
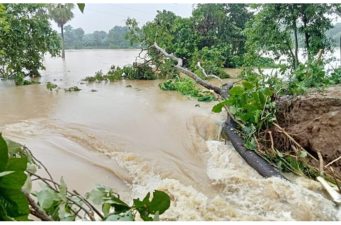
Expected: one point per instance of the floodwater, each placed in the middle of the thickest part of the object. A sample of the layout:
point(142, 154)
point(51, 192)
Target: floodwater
point(137, 139)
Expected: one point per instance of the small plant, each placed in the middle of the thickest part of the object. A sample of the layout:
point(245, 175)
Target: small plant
point(51, 86)
point(71, 89)
point(251, 104)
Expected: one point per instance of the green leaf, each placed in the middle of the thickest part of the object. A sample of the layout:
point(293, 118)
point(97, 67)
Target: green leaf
point(118, 204)
point(247, 85)
point(160, 202)
point(15, 203)
point(158, 205)
point(218, 107)
point(47, 198)
point(14, 180)
point(106, 208)
point(3, 154)
point(2, 174)
point(236, 90)
point(96, 196)
point(81, 6)
point(17, 164)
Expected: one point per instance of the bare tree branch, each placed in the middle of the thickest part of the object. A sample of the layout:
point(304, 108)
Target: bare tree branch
point(36, 211)
point(210, 75)
point(187, 72)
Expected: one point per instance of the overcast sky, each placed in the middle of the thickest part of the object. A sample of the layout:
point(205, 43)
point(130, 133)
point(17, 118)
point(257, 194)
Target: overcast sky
point(106, 16)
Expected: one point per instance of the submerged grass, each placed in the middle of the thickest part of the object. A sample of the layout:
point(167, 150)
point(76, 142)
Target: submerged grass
point(187, 87)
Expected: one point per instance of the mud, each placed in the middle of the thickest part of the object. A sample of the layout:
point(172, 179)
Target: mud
point(314, 120)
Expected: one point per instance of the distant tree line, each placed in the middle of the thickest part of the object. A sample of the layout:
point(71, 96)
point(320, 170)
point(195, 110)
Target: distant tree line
point(75, 38)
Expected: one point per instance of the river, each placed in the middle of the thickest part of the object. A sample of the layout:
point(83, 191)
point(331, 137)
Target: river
point(137, 139)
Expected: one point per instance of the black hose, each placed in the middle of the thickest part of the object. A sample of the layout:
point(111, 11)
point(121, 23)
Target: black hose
point(251, 157)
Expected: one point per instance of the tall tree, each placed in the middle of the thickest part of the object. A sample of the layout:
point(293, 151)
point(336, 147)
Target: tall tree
point(61, 14)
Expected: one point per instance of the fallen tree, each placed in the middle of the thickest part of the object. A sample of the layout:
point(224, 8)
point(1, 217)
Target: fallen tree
point(251, 157)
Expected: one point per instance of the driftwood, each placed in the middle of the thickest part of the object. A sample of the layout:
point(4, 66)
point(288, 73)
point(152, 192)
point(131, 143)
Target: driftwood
point(251, 157)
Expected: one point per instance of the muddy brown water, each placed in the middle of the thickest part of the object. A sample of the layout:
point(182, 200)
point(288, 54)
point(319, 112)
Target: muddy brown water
point(137, 139)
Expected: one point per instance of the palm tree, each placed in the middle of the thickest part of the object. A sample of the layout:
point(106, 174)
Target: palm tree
point(61, 14)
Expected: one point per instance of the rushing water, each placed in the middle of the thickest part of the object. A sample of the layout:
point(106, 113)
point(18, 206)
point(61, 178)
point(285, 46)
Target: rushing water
point(139, 138)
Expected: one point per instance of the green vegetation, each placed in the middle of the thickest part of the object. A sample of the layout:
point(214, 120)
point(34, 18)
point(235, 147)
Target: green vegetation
point(25, 36)
point(18, 169)
point(212, 35)
point(277, 27)
point(135, 72)
point(187, 86)
point(72, 89)
point(252, 104)
point(51, 86)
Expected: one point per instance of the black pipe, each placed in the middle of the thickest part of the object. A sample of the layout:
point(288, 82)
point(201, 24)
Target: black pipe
point(251, 157)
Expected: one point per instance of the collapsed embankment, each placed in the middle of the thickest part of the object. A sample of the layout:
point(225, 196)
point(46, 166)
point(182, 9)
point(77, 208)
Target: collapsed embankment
point(314, 121)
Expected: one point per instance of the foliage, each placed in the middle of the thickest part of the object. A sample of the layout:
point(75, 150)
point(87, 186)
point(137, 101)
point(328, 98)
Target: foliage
point(25, 36)
point(251, 103)
point(306, 76)
point(335, 77)
point(135, 72)
point(187, 87)
point(276, 28)
point(114, 209)
point(212, 35)
point(211, 59)
point(50, 86)
point(13, 202)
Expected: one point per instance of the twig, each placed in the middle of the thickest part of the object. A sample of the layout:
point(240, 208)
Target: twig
point(89, 204)
point(293, 140)
point(332, 162)
point(46, 181)
point(36, 211)
point(336, 181)
point(321, 162)
point(272, 141)
point(40, 163)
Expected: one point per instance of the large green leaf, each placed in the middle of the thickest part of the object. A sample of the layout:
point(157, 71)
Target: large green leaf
point(15, 203)
point(158, 205)
point(17, 164)
point(160, 202)
point(14, 180)
point(3, 154)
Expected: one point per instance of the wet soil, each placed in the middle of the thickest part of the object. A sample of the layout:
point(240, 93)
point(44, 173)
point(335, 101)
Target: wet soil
point(314, 120)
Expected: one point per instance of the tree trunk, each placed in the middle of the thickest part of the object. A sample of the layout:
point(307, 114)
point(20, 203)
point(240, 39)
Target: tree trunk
point(306, 36)
point(63, 50)
point(296, 44)
point(294, 24)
